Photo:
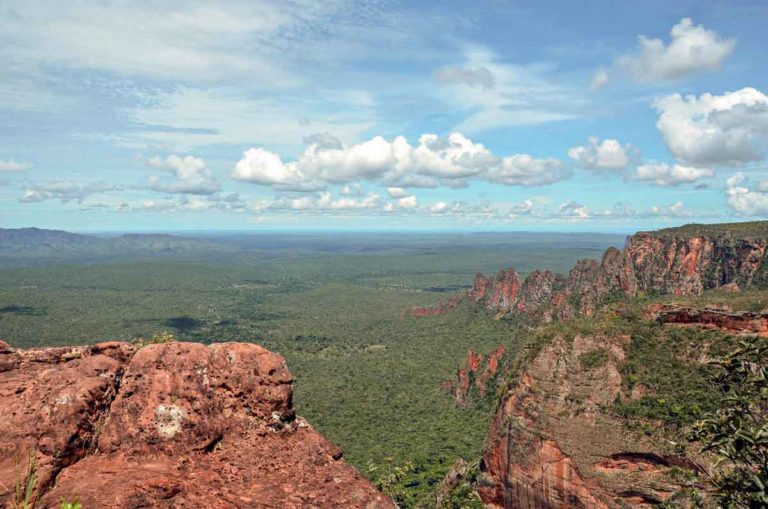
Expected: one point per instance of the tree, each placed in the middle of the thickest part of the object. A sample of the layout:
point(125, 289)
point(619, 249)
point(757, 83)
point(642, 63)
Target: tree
point(737, 433)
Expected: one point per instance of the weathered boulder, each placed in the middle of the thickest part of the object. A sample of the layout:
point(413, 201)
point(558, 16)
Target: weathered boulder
point(173, 425)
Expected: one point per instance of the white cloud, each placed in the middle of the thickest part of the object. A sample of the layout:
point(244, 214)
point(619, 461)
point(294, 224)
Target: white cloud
point(195, 203)
point(677, 209)
point(520, 95)
point(397, 164)
point(321, 202)
point(478, 76)
point(187, 41)
point(525, 170)
point(186, 117)
point(409, 202)
point(351, 190)
point(523, 208)
point(63, 190)
point(692, 49)
point(397, 192)
point(715, 129)
point(663, 174)
point(599, 79)
point(743, 200)
point(608, 155)
point(14, 166)
point(439, 207)
point(192, 175)
point(573, 210)
point(260, 166)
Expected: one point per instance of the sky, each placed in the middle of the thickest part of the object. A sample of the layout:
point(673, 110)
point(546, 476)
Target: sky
point(382, 115)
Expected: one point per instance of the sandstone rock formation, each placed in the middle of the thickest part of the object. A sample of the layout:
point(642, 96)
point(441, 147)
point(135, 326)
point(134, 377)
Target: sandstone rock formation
point(669, 262)
point(481, 373)
point(742, 322)
point(551, 447)
point(169, 425)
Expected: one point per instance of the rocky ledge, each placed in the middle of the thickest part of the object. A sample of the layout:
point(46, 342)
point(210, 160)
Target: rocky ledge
point(168, 425)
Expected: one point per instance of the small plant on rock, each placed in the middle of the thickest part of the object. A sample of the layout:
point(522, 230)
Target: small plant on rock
point(155, 339)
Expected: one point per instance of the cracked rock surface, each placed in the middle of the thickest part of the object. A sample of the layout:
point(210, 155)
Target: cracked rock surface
point(170, 425)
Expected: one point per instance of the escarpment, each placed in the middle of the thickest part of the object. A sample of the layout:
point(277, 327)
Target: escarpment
point(551, 445)
point(168, 425)
point(677, 261)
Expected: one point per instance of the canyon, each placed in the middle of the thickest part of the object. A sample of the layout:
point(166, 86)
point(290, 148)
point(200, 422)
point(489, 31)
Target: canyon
point(557, 440)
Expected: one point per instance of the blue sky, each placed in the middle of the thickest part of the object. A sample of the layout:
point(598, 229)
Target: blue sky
point(498, 115)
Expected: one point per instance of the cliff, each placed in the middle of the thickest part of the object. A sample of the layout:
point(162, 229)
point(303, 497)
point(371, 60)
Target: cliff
point(168, 425)
point(675, 261)
point(552, 445)
point(479, 378)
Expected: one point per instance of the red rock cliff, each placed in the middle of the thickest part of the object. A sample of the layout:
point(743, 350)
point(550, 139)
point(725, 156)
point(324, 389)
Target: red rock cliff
point(551, 447)
point(670, 262)
point(169, 425)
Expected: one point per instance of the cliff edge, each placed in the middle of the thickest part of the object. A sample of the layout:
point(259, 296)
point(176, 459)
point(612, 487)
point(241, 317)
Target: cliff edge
point(168, 425)
point(676, 261)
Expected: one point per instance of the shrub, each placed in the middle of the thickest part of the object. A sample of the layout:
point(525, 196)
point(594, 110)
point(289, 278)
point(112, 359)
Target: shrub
point(593, 359)
point(737, 432)
point(155, 339)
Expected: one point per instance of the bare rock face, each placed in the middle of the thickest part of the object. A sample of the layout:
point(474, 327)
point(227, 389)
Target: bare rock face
point(743, 322)
point(668, 262)
point(548, 443)
point(52, 403)
point(173, 425)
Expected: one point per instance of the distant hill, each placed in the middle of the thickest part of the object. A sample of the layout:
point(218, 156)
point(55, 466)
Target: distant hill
point(39, 243)
point(23, 239)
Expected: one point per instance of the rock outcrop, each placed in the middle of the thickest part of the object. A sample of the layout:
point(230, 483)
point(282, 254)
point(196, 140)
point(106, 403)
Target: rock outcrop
point(551, 447)
point(677, 261)
point(481, 374)
point(727, 321)
point(169, 425)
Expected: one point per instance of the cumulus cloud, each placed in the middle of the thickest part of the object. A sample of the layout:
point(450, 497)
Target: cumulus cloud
point(397, 192)
point(192, 176)
point(692, 49)
point(715, 129)
point(608, 155)
point(525, 170)
point(677, 209)
point(744, 201)
point(63, 190)
point(320, 202)
point(433, 160)
point(572, 209)
point(14, 166)
point(408, 202)
point(663, 174)
point(523, 208)
point(184, 203)
point(478, 76)
point(351, 190)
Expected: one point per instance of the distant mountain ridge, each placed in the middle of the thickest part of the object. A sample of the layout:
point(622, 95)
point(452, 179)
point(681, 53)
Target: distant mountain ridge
point(38, 242)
